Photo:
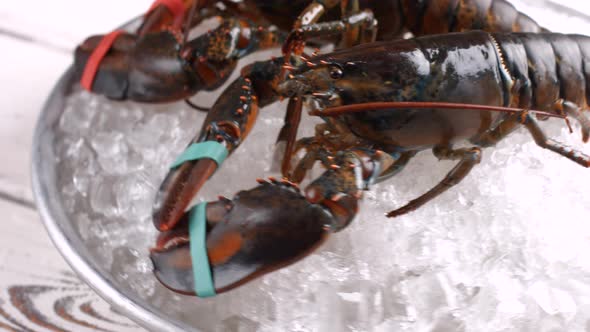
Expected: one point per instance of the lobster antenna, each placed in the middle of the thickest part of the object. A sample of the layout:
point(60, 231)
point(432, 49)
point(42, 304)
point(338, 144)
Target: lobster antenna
point(289, 132)
point(365, 107)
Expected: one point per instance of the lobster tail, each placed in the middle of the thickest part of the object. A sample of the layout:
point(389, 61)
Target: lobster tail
point(503, 17)
point(432, 17)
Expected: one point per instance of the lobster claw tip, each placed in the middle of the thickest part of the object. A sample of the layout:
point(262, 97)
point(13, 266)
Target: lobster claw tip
point(173, 269)
point(177, 191)
point(171, 258)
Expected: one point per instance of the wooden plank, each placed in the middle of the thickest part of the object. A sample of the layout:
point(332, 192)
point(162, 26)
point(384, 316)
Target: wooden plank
point(64, 23)
point(27, 80)
point(37, 290)
point(552, 14)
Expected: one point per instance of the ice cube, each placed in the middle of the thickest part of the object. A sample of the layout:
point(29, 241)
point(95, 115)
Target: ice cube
point(130, 268)
point(102, 197)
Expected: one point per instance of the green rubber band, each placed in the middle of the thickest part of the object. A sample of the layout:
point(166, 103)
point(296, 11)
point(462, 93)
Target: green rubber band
point(204, 150)
point(202, 277)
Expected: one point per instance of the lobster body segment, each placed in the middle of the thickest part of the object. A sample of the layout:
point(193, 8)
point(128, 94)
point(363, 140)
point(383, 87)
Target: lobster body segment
point(434, 17)
point(546, 68)
point(430, 17)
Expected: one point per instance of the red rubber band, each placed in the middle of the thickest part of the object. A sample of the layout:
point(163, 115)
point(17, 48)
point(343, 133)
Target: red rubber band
point(176, 7)
point(96, 57)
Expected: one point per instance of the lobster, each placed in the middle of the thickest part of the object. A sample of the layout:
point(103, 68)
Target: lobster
point(157, 63)
point(381, 104)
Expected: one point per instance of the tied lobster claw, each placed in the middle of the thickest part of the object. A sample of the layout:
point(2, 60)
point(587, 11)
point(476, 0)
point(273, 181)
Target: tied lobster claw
point(259, 231)
point(188, 174)
point(158, 64)
point(227, 124)
point(223, 130)
point(262, 229)
point(144, 69)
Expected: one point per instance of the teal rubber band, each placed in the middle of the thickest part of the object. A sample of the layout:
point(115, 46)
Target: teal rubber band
point(203, 279)
point(204, 150)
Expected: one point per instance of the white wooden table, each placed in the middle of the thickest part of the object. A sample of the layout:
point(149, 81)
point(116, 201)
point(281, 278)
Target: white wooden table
point(38, 291)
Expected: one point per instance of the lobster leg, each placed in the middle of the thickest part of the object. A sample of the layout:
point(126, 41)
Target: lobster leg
point(347, 8)
point(468, 158)
point(353, 24)
point(516, 120)
point(306, 25)
point(503, 129)
point(575, 112)
point(401, 160)
point(215, 55)
point(365, 32)
point(364, 20)
point(543, 141)
point(314, 153)
point(288, 133)
point(330, 137)
point(530, 122)
point(304, 165)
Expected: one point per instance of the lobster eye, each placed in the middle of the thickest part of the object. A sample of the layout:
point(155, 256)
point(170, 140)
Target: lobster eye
point(336, 72)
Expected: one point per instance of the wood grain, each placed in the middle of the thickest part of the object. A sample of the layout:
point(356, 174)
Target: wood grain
point(37, 290)
point(61, 24)
point(19, 112)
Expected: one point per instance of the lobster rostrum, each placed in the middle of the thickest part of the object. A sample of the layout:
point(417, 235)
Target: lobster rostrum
point(156, 63)
point(382, 103)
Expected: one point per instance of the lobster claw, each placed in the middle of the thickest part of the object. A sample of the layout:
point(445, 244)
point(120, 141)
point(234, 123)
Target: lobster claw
point(145, 69)
point(264, 228)
point(228, 123)
point(258, 231)
point(182, 183)
point(112, 75)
